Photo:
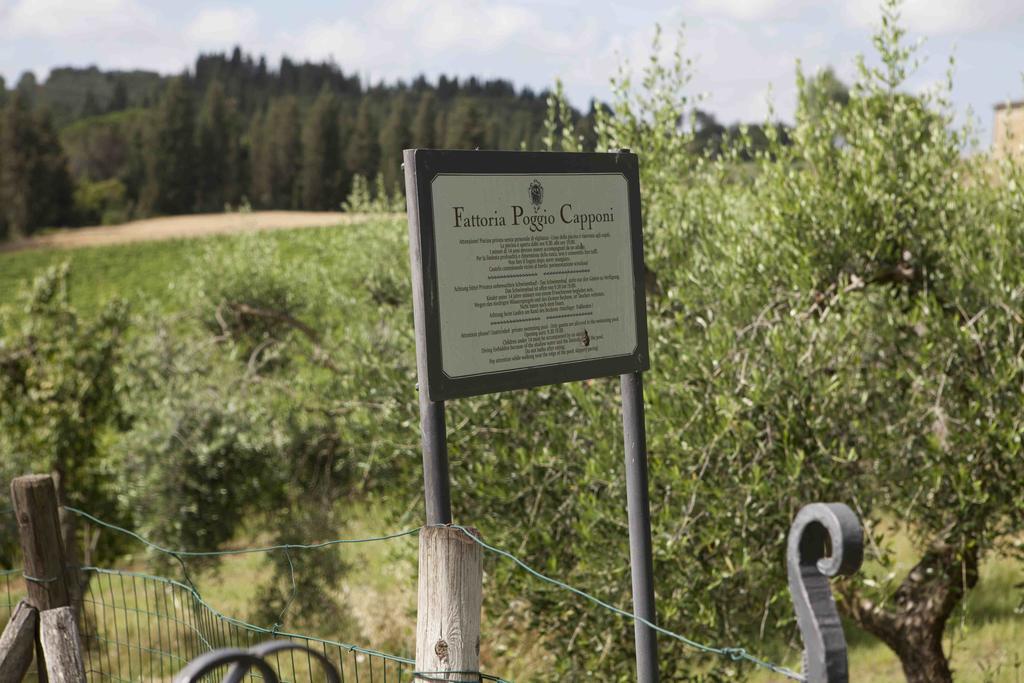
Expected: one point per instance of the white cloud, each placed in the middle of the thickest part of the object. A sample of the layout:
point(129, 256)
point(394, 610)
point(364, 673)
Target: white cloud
point(73, 18)
point(943, 16)
point(342, 40)
point(222, 27)
point(458, 24)
point(734, 66)
point(402, 38)
point(750, 10)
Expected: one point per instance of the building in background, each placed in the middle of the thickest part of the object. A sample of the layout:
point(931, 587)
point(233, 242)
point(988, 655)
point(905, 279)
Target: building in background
point(1008, 129)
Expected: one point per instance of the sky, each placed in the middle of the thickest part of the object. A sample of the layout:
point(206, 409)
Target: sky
point(744, 52)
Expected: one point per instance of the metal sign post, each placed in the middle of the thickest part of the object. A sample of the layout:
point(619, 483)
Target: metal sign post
point(436, 482)
point(638, 508)
point(528, 270)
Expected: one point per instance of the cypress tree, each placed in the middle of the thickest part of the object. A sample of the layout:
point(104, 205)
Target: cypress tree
point(28, 87)
point(394, 137)
point(363, 153)
point(425, 121)
point(35, 185)
point(466, 128)
point(119, 98)
point(90, 107)
point(321, 177)
point(217, 152)
point(133, 174)
point(171, 174)
point(261, 179)
point(286, 134)
point(277, 155)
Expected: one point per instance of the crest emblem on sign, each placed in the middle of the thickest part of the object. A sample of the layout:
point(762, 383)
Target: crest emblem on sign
point(536, 194)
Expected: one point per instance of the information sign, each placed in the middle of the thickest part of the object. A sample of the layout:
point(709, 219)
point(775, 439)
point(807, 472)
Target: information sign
point(527, 268)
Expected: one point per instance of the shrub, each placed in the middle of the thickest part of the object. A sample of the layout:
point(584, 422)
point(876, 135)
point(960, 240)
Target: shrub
point(103, 202)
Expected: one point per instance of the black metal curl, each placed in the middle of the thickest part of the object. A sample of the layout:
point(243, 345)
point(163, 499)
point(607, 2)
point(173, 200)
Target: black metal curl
point(242, 661)
point(816, 527)
point(211, 661)
point(264, 650)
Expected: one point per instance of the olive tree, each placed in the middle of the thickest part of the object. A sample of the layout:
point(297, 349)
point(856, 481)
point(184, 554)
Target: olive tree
point(847, 325)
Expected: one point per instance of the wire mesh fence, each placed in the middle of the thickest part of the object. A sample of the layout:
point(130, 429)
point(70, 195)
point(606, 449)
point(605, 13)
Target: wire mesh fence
point(139, 627)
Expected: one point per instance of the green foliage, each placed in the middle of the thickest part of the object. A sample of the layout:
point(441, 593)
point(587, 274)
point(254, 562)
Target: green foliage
point(35, 186)
point(59, 392)
point(198, 459)
point(559, 132)
point(321, 179)
point(379, 200)
point(276, 150)
point(219, 158)
point(822, 91)
point(67, 90)
point(395, 136)
point(465, 126)
point(101, 202)
point(254, 306)
point(424, 122)
point(236, 412)
point(363, 154)
point(171, 153)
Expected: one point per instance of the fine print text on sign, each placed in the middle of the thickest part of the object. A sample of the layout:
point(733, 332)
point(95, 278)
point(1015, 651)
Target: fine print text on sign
point(531, 268)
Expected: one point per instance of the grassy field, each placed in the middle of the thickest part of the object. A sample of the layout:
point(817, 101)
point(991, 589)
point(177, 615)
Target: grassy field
point(985, 638)
point(145, 273)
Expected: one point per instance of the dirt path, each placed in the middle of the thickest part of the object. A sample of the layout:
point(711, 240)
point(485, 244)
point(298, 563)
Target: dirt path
point(179, 227)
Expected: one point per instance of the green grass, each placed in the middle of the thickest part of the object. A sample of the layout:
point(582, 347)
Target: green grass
point(141, 272)
point(145, 273)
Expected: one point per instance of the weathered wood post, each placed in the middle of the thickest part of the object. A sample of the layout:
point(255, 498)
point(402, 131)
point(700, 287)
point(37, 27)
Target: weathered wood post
point(16, 643)
point(62, 648)
point(448, 606)
point(46, 579)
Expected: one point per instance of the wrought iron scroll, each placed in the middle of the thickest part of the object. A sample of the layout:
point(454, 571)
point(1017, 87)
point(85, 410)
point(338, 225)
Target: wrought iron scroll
point(825, 540)
point(243, 661)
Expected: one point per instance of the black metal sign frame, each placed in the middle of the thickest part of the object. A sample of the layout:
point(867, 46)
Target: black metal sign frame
point(423, 166)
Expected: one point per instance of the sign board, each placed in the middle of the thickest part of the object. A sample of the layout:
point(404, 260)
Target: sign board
point(527, 268)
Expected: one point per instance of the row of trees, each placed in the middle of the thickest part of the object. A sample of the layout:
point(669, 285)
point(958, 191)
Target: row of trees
point(233, 132)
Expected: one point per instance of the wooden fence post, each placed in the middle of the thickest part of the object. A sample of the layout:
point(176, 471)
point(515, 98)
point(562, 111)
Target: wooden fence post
point(448, 606)
point(62, 648)
point(46, 577)
point(16, 643)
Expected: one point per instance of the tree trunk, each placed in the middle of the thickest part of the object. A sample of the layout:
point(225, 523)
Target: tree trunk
point(913, 623)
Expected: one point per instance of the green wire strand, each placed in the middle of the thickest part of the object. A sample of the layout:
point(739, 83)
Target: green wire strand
point(734, 653)
point(240, 551)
